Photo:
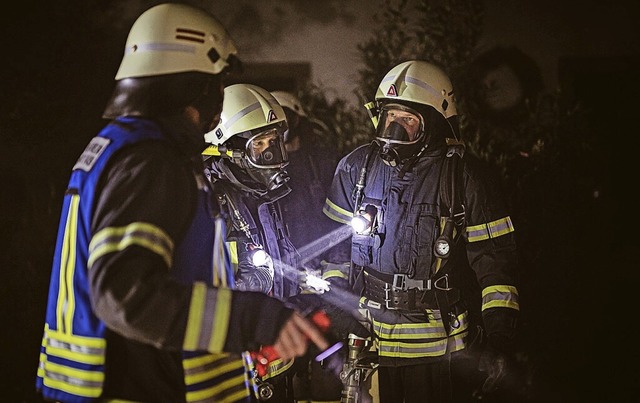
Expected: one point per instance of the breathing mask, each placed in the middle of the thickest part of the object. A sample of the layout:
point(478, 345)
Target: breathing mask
point(265, 157)
point(400, 132)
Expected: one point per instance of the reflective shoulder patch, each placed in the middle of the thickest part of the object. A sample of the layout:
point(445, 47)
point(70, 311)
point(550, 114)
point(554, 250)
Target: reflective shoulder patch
point(90, 155)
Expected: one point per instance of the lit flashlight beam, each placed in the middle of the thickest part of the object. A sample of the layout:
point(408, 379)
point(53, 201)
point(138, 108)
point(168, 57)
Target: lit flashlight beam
point(324, 243)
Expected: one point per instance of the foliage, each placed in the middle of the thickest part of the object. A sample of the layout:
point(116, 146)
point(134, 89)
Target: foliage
point(345, 122)
point(441, 32)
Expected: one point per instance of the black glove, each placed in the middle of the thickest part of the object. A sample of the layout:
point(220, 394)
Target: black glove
point(497, 360)
point(494, 364)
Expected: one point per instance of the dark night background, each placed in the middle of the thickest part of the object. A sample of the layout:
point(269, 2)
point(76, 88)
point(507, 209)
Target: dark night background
point(58, 64)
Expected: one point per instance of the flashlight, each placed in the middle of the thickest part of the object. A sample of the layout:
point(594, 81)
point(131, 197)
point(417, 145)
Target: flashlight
point(259, 257)
point(363, 223)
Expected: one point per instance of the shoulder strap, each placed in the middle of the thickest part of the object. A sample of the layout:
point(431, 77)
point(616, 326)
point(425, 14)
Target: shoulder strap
point(451, 183)
point(451, 191)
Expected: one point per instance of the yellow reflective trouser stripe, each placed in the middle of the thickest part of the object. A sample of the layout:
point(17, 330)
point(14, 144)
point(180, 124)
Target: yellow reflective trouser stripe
point(500, 296)
point(66, 300)
point(209, 366)
point(396, 340)
point(203, 332)
point(276, 367)
point(429, 330)
point(493, 229)
point(437, 348)
point(456, 343)
point(142, 234)
point(229, 390)
point(336, 213)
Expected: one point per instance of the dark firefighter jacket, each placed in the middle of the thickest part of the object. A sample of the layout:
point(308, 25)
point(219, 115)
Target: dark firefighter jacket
point(409, 324)
point(132, 311)
point(252, 220)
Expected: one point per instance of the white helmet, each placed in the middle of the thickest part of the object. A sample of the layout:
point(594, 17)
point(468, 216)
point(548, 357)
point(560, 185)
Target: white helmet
point(174, 38)
point(288, 100)
point(251, 134)
point(407, 97)
point(418, 82)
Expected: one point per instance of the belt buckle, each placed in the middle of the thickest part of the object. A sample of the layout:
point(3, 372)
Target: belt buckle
point(399, 281)
point(387, 296)
point(403, 282)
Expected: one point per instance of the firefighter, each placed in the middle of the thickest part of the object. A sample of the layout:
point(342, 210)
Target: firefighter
point(422, 263)
point(138, 307)
point(246, 165)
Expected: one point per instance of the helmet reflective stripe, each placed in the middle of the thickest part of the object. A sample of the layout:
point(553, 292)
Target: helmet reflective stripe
point(175, 38)
point(235, 118)
point(393, 89)
point(419, 82)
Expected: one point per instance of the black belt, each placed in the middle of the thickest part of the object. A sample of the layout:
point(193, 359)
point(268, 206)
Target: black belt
point(400, 292)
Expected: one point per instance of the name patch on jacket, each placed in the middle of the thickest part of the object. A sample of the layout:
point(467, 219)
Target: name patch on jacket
point(90, 155)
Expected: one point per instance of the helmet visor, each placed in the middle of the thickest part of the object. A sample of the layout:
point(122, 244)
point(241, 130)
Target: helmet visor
point(399, 124)
point(266, 149)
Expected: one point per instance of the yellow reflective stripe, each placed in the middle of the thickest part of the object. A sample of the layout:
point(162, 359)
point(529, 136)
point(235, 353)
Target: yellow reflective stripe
point(334, 274)
point(233, 252)
point(456, 343)
point(86, 350)
point(492, 229)
point(205, 372)
point(276, 367)
point(221, 320)
point(429, 349)
point(149, 236)
point(71, 380)
point(194, 321)
point(407, 350)
point(65, 305)
point(193, 363)
point(405, 331)
point(83, 375)
point(202, 394)
point(210, 333)
point(336, 213)
point(500, 296)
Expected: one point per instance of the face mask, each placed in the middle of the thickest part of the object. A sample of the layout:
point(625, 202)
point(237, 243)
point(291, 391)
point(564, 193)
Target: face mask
point(266, 150)
point(400, 131)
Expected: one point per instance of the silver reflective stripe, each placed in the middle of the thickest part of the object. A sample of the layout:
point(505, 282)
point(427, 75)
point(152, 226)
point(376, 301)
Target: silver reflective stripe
point(489, 230)
point(146, 235)
point(500, 296)
point(161, 47)
point(426, 339)
point(75, 348)
point(245, 111)
point(70, 380)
